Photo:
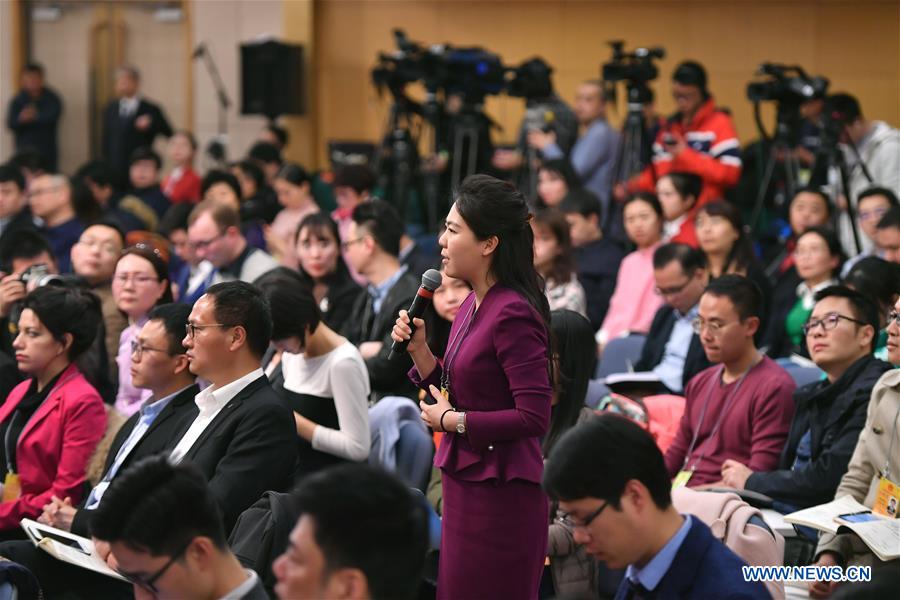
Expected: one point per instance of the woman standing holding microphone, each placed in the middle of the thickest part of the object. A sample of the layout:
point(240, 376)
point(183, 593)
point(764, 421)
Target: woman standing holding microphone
point(492, 398)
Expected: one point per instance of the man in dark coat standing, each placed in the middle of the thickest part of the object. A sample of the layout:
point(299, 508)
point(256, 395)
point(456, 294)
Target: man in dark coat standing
point(33, 116)
point(130, 122)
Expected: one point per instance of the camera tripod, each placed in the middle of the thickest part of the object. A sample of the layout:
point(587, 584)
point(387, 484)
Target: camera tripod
point(780, 150)
point(629, 158)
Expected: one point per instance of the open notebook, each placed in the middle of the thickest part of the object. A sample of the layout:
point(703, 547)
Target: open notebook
point(67, 547)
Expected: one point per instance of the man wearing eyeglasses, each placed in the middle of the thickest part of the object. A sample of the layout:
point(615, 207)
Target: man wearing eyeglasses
point(874, 464)
point(163, 527)
point(611, 482)
point(739, 409)
point(158, 363)
point(840, 335)
point(243, 439)
point(887, 235)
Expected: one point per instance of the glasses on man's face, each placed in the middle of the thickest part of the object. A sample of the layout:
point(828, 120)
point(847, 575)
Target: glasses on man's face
point(191, 328)
point(572, 524)
point(894, 317)
point(37, 192)
point(137, 278)
point(149, 583)
point(672, 291)
point(203, 244)
point(713, 327)
point(872, 215)
point(828, 323)
point(349, 243)
point(138, 349)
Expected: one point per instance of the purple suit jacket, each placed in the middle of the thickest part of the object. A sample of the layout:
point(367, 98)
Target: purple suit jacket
point(500, 377)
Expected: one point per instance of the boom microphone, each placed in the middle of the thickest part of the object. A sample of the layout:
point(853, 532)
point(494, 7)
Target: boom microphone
point(431, 280)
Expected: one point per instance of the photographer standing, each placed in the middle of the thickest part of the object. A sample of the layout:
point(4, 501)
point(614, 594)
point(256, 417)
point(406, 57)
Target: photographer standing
point(545, 112)
point(699, 139)
point(877, 156)
point(594, 154)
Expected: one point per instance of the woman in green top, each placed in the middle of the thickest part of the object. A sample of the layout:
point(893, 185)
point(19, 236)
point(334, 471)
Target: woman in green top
point(879, 280)
point(817, 257)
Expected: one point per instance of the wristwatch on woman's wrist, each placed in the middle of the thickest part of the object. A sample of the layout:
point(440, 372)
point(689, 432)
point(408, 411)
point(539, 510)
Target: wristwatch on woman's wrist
point(461, 422)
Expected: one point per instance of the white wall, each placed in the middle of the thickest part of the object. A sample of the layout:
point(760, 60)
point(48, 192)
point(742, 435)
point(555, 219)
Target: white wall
point(224, 25)
point(6, 76)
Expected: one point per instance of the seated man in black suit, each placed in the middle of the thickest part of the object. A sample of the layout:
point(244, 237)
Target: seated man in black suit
point(371, 249)
point(130, 122)
point(159, 364)
point(244, 439)
point(672, 349)
point(14, 213)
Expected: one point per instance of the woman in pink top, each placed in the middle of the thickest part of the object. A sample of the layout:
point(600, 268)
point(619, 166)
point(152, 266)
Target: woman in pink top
point(635, 300)
point(293, 186)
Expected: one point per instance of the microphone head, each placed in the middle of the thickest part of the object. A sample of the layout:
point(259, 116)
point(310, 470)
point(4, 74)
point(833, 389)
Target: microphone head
point(431, 279)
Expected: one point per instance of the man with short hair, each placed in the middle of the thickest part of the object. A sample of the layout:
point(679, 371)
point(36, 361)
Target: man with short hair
point(597, 258)
point(372, 250)
point(700, 138)
point(33, 115)
point(145, 198)
point(672, 350)
point(22, 250)
point(14, 212)
point(94, 258)
point(610, 480)
point(362, 534)
point(130, 122)
point(841, 333)
point(244, 439)
point(877, 155)
point(159, 364)
point(160, 527)
point(740, 409)
point(50, 198)
point(887, 235)
point(214, 230)
point(593, 156)
point(872, 204)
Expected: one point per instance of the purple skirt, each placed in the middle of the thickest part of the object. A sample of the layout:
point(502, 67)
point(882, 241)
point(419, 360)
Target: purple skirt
point(493, 540)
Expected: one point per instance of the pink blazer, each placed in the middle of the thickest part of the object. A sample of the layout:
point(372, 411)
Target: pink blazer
point(55, 446)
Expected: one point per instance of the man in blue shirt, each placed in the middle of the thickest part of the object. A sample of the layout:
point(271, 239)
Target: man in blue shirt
point(33, 116)
point(611, 482)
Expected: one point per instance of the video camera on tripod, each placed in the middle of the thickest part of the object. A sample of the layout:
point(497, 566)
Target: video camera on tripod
point(637, 69)
point(789, 86)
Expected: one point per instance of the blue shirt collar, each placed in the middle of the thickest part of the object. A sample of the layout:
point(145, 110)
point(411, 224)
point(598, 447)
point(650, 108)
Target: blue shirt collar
point(652, 573)
point(380, 291)
point(152, 408)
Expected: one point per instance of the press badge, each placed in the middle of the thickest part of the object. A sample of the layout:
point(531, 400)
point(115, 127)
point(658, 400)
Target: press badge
point(681, 479)
point(887, 499)
point(12, 489)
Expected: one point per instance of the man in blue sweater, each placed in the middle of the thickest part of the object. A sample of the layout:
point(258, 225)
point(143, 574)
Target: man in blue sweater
point(611, 483)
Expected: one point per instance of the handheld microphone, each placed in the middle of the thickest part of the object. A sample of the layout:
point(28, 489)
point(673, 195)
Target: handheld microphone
point(431, 280)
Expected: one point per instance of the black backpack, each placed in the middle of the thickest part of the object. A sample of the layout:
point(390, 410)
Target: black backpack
point(261, 535)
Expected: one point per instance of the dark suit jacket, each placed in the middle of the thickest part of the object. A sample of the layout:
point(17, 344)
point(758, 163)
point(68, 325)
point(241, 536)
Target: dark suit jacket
point(703, 567)
point(159, 437)
point(249, 448)
point(834, 414)
point(121, 137)
point(655, 346)
point(418, 261)
point(387, 377)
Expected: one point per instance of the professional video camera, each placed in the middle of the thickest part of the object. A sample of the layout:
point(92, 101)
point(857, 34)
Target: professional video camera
point(786, 84)
point(472, 71)
point(633, 67)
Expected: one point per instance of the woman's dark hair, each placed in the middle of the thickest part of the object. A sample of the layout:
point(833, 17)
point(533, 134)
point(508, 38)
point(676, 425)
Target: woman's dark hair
point(65, 310)
point(651, 199)
point(253, 171)
point(492, 207)
point(876, 278)
point(216, 176)
point(293, 306)
point(831, 240)
point(563, 169)
point(574, 360)
point(688, 185)
point(741, 256)
point(154, 256)
point(563, 263)
point(322, 226)
point(85, 204)
point(293, 174)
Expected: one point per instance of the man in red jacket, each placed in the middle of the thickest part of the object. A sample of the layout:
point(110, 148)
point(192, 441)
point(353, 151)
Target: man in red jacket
point(699, 139)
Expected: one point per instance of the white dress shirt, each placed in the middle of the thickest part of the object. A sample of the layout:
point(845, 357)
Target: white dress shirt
point(211, 401)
